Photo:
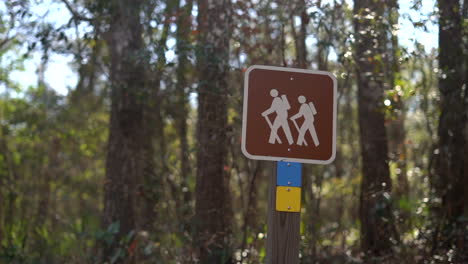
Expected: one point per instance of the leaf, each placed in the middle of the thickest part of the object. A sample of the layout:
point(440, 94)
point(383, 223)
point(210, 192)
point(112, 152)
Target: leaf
point(114, 228)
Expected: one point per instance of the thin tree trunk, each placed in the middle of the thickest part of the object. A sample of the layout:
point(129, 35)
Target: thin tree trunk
point(251, 206)
point(300, 37)
point(283, 46)
point(124, 165)
point(309, 198)
point(2, 205)
point(378, 232)
point(465, 18)
point(302, 48)
point(8, 182)
point(213, 226)
point(154, 138)
point(49, 172)
point(397, 132)
point(45, 188)
point(183, 48)
point(451, 161)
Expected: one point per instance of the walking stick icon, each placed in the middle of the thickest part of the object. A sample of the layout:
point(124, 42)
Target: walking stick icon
point(298, 129)
point(271, 128)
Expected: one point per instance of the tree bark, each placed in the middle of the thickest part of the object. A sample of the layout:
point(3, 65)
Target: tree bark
point(183, 48)
point(451, 161)
point(396, 126)
point(213, 227)
point(7, 193)
point(302, 47)
point(250, 214)
point(465, 81)
point(378, 233)
point(300, 9)
point(155, 168)
point(124, 165)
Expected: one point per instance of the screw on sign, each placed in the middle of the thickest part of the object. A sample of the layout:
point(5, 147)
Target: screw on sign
point(289, 117)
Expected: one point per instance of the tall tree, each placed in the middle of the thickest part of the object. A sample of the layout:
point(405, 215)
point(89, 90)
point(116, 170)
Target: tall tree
point(465, 49)
point(183, 46)
point(451, 183)
point(155, 167)
point(212, 233)
point(396, 127)
point(124, 166)
point(299, 8)
point(378, 233)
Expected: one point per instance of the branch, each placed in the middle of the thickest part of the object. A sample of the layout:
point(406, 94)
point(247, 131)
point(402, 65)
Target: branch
point(5, 42)
point(75, 14)
point(8, 38)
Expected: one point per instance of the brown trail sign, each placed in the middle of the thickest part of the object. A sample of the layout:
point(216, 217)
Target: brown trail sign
point(289, 117)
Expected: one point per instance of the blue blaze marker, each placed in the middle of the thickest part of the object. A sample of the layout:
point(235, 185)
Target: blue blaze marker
point(289, 174)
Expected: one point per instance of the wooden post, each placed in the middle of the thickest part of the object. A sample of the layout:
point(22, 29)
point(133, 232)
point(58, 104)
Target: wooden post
point(283, 230)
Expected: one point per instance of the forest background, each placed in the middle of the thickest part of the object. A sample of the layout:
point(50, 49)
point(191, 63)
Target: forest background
point(120, 126)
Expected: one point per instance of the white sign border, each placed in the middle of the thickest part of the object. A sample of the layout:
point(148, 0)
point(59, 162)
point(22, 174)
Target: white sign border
point(244, 115)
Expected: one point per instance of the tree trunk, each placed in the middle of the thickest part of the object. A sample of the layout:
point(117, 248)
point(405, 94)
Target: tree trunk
point(182, 92)
point(124, 165)
point(378, 233)
point(465, 70)
point(213, 227)
point(396, 126)
point(154, 141)
point(250, 214)
point(450, 163)
point(300, 9)
point(7, 191)
point(302, 47)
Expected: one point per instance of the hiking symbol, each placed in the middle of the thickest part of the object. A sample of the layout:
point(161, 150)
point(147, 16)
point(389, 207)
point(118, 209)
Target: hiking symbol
point(280, 106)
point(307, 111)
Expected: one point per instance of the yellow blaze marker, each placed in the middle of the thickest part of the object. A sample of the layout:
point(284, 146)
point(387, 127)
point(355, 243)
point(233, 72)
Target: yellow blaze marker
point(288, 199)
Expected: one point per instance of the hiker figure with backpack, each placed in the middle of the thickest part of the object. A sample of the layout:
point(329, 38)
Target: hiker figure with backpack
point(307, 111)
point(280, 106)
